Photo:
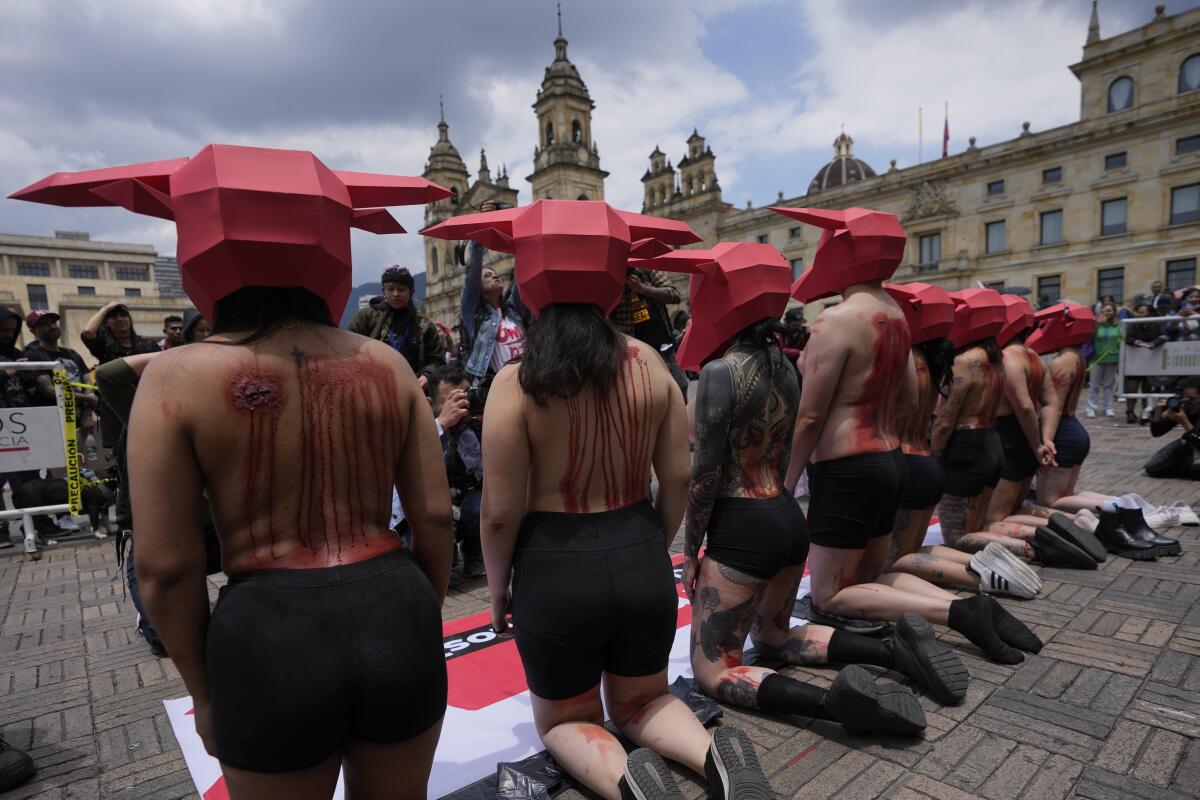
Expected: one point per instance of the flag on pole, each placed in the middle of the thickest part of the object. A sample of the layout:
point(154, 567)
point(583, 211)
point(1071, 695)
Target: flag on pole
point(946, 133)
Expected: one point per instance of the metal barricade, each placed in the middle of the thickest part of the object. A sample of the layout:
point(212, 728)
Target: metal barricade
point(1168, 360)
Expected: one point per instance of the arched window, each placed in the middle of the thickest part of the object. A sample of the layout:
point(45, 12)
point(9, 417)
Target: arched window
point(704, 181)
point(1189, 74)
point(549, 133)
point(433, 263)
point(1120, 94)
point(576, 132)
point(691, 186)
point(582, 197)
point(453, 195)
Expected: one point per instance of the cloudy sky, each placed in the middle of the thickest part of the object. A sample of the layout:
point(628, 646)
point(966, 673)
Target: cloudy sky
point(92, 83)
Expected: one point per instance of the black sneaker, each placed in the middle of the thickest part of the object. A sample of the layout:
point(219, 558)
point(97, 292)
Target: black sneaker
point(732, 767)
point(862, 706)
point(15, 767)
point(920, 656)
point(1054, 551)
point(806, 609)
point(647, 778)
point(1081, 537)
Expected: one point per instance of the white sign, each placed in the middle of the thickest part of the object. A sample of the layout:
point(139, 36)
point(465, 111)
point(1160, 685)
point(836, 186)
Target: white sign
point(1171, 358)
point(31, 438)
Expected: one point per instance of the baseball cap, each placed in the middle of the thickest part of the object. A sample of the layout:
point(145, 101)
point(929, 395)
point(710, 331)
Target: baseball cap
point(37, 315)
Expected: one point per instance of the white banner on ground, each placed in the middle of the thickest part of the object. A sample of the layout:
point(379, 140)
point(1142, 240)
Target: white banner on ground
point(1170, 358)
point(488, 716)
point(31, 438)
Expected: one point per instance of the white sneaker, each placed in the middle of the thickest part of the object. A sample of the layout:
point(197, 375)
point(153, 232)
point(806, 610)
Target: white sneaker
point(1109, 413)
point(1157, 517)
point(1087, 520)
point(1186, 515)
point(998, 574)
point(1090, 413)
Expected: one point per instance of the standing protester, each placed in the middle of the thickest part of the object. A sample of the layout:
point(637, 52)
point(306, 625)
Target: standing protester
point(110, 334)
point(1147, 335)
point(1106, 353)
point(493, 320)
point(642, 314)
point(195, 327)
point(394, 319)
point(172, 332)
point(1157, 293)
point(574, 546)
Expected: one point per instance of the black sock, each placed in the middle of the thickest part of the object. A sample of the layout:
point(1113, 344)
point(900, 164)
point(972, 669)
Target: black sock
point(1012, 631)
point(972, 618)
point(852, 648)
point(778, 694)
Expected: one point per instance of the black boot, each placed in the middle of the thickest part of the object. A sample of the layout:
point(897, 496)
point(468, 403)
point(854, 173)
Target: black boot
point(1113, 534)
point(917, 654)
point(1081, 537)
point(1135, 523)
point(862, 706)
point(1054, 551)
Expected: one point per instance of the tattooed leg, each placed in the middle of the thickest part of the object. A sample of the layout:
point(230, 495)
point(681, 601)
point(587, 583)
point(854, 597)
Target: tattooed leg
point(1012, 530)
point(952, 515)
point(936, 569)
point(974, 542)
point(977, 509)
point(773, 633)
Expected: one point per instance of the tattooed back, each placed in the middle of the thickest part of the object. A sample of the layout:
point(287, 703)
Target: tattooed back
point(298, 438)
point(976, 391)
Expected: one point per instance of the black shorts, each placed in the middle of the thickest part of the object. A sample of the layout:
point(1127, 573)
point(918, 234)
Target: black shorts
point(973, 460)
point(925, 483)
point(302, 660)
point(1071, 442)
point(757, 537)
point(855, 498)
point(1019, 461)
point(592, 593)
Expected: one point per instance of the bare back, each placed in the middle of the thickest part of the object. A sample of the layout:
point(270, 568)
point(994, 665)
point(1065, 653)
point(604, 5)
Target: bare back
point(976, 392)
point(298, 438)
point(1020, 360)
point(593, 453)
point(1066, 374)
point(914, 428)
point(866, 340)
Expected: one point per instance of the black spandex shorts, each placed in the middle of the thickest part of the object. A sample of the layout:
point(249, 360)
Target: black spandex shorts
point(302, 660)
point(973, 461)
point(855, 498)
point(1071, 442)
point(925, 483)
point(592, 593)
point(1019, 461)
point(757, 537)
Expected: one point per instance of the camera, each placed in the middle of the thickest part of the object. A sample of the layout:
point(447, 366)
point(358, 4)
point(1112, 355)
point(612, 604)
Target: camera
point(1175, 403)
point(477, 396)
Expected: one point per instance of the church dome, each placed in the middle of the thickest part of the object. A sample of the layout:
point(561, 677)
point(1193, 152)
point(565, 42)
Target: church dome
point(843, 169)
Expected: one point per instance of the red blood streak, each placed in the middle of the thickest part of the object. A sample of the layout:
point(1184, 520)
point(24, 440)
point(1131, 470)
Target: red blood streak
point(259, 397)
point(876, 410)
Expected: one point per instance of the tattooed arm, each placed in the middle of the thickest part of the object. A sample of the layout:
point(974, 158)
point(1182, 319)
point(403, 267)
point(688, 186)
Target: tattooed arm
point(823, 361)
point(1016, 391)
point(714, 406)
point(951, 406)
point(505, 486)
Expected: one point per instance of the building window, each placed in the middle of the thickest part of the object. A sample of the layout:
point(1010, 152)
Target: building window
point(995, 187)
point(1114, 160)
point(1112, 217)
point(1051, 227)
point(1049, 288)
point(797, 267)
point(433, 264)
point(1189, 74)
point(764, 238)
point(37, 297)
point(131, 292)
point(931, 249)
point(1188, 144)
point(453, 195)
point(33, 269)
point(1181, 273)
point(83, 271)
point(997, 285)
point(1111, 281)
point(133, 273)
point(796, 233)
point(995, 237)
point(1052, 175)
point(85, 290)
point(1185, 203)
point(549, 133)
point(576, 132)
point(1120, 94)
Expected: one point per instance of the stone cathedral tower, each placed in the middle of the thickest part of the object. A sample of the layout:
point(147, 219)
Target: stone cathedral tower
point(566, 162)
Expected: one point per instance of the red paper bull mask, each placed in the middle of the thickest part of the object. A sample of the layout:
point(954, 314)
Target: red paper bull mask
point(978, 314)
point(858, 245)
point(249, 216)
point(928, 309)
point(1062, 325)
point(568, 251)
point(734, 285)
point(1018, 317)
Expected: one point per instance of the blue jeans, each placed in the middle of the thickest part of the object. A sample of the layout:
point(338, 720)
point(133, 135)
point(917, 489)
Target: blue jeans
point(143, 626)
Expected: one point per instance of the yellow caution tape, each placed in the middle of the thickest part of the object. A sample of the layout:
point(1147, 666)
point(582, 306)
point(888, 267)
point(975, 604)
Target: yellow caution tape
point(74, 485)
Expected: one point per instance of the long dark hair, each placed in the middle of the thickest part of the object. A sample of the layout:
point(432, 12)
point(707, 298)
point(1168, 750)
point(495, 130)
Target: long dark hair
point(990, 347)
point(262, 310)
point(764, 335)
point(568, 348)
point(939, 355)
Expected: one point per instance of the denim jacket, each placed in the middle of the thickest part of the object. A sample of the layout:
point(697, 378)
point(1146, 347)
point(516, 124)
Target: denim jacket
point(481, 319)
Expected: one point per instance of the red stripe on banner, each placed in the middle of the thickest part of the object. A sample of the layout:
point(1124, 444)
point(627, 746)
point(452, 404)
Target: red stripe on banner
point(217, 791)
point(14, 449)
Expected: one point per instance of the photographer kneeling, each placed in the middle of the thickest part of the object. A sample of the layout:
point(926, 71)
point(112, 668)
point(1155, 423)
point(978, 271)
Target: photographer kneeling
point(459, 427)
point(1181, 458)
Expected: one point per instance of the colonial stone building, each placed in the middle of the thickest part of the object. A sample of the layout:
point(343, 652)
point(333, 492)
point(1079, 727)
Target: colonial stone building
point(566, 166)
point(1101, 206)
point(73, 276)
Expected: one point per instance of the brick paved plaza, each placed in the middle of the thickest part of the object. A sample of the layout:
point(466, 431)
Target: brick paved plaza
point(1110, 709)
